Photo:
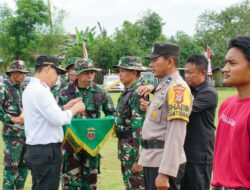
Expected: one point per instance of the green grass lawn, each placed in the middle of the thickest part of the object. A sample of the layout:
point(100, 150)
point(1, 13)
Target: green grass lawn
point(110, 177)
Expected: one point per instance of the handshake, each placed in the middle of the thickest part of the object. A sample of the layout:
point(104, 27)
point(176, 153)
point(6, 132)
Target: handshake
point(75, 106)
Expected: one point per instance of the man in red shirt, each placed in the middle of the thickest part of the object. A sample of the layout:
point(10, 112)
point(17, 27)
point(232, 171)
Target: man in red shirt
point(232, 144)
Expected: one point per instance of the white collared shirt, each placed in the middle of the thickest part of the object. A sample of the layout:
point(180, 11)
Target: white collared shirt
point(43, 118)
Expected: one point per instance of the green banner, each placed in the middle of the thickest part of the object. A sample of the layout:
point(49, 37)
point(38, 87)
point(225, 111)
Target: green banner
point(88, 134)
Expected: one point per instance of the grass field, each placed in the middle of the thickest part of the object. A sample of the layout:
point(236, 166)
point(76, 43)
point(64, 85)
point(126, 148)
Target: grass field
point(110, 177)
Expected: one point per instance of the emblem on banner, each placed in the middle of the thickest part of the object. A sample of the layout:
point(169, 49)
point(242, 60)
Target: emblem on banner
point(91, 133)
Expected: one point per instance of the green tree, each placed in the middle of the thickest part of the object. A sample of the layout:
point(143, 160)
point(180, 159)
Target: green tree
point(103, 53)
point(34, 28)
point(73, 44)
point(216, 28)
point(150, 29)
point(127, 40)
point(188, 45)
point(131, 39)
point(53, 34)
point(5, 15)
point(138, 38)
point(20, 28)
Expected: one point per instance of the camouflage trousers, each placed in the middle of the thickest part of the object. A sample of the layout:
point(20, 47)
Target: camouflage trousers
point(15, 168)
point(132, 181)
point(127, 153)
point(79, 171)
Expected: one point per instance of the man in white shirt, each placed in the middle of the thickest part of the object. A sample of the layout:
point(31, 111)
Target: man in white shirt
point(43, 120)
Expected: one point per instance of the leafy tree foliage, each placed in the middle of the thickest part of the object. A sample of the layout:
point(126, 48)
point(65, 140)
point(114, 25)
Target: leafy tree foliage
point(216, 28)
point(52, 34)
point(138, 38)
point(21, 27)
point(150, 29)
point(131, 39)
point(35, 28)
point(188, 45)
point(5, 15)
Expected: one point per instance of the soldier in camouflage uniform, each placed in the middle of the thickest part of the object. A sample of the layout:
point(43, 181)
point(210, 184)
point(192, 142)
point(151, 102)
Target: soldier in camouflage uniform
point(15, 169)
point(129, 121)
point(80, 169)
point(71, 73)
point(71, 76)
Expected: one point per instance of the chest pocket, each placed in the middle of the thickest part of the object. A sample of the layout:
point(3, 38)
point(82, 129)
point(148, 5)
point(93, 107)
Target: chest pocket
point(13, 107)
point(95, 105)
point(156, 111)
point(122, 106)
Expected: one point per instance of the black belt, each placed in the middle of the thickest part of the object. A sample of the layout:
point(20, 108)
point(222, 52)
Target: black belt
point(45, 145)
point(124, 134)
point(152, 144)
point(224, 188)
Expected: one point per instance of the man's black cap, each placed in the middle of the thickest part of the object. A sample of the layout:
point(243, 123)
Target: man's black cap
point(45, 60)
point(164, 49)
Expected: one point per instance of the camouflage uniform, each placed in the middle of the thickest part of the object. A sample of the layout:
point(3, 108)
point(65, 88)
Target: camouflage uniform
point(129, 121)
point(64, 79)
point(15, 169)
point(80, 169)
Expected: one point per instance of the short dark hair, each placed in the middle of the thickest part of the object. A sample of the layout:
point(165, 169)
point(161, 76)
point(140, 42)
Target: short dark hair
point(39, 68)
point(176, 59)
point(138, 74)
point(199, 60)
point(242, 43)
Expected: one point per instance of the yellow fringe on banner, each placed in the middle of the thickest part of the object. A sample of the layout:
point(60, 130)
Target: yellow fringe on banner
point(78, 145)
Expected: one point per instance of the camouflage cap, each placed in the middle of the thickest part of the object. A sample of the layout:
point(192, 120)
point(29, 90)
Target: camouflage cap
point(17, 65)
point(82, 65)
point(131, 63)
point(71, 61)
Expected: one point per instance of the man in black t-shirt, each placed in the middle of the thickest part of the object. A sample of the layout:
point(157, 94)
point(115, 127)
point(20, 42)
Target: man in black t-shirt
point(199, 142)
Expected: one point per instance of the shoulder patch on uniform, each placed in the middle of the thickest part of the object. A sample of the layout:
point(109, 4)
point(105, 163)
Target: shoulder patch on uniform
point(179, 93)
point(179, 102)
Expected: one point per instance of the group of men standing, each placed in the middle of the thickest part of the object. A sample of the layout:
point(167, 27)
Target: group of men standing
point(165, 144)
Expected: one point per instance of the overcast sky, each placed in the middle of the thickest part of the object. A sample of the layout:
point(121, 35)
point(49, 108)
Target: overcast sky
point(177, 14)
